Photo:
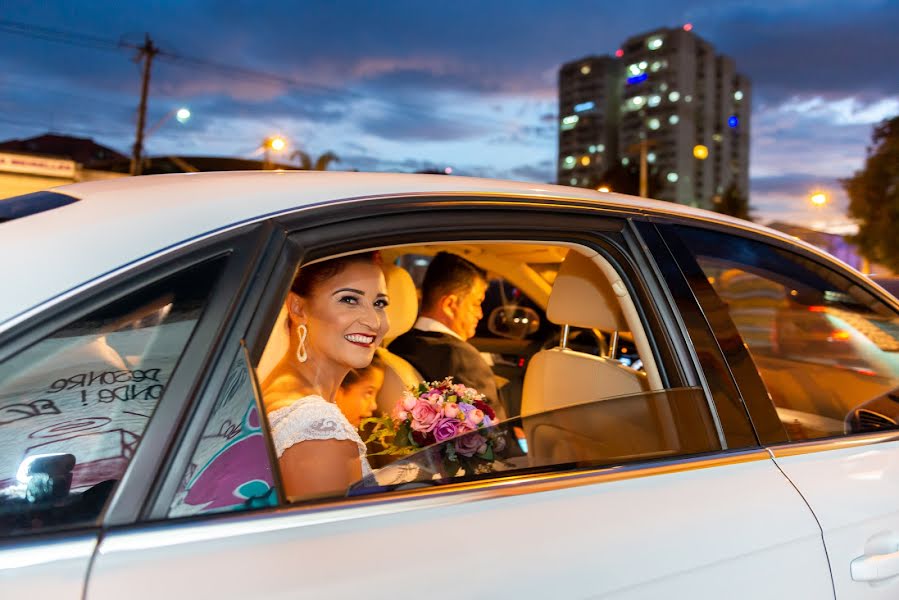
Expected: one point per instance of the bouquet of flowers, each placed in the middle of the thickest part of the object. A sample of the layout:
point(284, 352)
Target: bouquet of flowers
point(436, 412)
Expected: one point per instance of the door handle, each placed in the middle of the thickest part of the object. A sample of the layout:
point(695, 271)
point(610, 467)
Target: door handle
point(875, 568)
point(880, 560)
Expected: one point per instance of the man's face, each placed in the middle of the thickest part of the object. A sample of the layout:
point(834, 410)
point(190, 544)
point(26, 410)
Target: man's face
point(468, 310)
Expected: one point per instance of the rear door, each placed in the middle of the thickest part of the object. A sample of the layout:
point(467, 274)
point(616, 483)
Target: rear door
point(696, 510)
point(826, 350)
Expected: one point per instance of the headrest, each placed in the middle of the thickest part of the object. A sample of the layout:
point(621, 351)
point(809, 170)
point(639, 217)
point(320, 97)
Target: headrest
point(403, 308)
point(583, 296)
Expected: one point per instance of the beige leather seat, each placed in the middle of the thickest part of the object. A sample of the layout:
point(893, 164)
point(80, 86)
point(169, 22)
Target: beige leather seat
point(582, 296)
point(402, 313)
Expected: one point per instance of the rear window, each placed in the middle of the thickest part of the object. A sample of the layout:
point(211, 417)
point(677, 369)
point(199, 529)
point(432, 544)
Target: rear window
point(31, 204)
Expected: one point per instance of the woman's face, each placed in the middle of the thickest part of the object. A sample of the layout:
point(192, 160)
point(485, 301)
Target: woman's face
point(345, 316)
point(359, 400)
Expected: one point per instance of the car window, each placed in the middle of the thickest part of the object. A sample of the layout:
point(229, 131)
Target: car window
point(74, 405)
point(826, 349)
point(613, 431)
point(230, 468)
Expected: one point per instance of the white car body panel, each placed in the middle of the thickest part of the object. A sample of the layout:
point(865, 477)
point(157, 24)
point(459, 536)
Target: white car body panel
point(45, 569)
point(120, 221)
point(737, 531)
point(854, 492)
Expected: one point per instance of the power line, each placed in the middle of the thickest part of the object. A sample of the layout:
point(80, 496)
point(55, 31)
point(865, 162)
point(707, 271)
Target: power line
point(397, 107)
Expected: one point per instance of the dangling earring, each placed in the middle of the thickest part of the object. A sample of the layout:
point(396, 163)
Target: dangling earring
point(302, 331)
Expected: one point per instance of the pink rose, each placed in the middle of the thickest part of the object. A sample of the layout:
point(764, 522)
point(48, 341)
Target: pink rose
point(424, 416)
point(409, 401)
point(445, 429)
point(475, 416)
point(470, 444)
point(451, 410)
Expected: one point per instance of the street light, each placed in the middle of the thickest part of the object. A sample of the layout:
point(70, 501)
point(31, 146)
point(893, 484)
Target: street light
point(182, 114)
point(819, 199)
point(274, 143)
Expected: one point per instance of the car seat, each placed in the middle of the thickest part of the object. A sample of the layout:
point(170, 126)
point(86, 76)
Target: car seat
point(582, 296)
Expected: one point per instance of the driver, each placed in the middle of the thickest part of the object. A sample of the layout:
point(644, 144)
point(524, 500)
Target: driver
point(437, 345)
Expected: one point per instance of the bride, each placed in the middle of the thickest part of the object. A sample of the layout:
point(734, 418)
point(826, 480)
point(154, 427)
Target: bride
point(336, 316)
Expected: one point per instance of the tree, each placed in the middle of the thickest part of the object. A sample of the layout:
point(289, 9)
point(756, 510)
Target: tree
point(874, 197)
point(733, 203)
point(320, 165)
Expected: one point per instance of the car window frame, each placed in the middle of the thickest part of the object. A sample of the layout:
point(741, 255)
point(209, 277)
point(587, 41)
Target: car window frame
point(761, 408)
point(237, 248)
point(326, 231)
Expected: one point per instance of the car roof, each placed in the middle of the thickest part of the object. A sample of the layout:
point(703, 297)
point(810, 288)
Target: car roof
point(120, 221)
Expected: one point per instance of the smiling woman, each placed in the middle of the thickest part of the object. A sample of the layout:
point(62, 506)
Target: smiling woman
point(336, 318)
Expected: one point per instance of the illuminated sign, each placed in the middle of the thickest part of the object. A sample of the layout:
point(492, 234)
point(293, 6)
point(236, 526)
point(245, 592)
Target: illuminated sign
point(37, 165)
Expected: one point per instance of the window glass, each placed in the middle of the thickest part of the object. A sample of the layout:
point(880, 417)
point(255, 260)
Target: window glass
point(230, 468)
point(614, 431)
point(73, 406)
point(826, 349)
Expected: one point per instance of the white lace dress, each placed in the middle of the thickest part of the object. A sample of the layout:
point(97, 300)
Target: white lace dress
point(313, 418)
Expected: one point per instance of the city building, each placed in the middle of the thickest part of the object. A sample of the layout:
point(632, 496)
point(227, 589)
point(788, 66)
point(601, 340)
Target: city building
point(667, 99)
point(589, 94)
point(51, 160)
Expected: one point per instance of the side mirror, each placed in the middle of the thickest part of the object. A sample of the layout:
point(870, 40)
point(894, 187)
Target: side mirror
point(513, 322)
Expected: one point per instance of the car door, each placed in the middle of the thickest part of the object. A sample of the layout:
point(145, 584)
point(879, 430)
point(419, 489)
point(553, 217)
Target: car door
point(87, 388)
point(698, 510)
point(826, 349)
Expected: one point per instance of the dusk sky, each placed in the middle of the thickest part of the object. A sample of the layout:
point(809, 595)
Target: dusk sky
point(403, 85)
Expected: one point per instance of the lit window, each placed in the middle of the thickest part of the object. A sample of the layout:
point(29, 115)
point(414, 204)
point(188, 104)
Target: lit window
point(569, 122)
point(625, 161)
point(717, 137)
point(654, 43)
point(673, 119)
point(654, 100)
point(568, 163)
point(674, 96)
point(637, 78)
point(653, 123)
point(585, 160)
point(591, 149)
point(738, 95)
point(601, 148)
point(637, 100)
point(651, 157)
point(584, 106)
point(643, 65)
point(688, 98)
point(573, 181)
point(655, 66)
point(585, 70)
point(634, 69)
point(672, 177)
point(663, 87)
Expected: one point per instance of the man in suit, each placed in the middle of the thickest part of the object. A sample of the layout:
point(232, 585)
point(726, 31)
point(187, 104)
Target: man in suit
point(437, 345)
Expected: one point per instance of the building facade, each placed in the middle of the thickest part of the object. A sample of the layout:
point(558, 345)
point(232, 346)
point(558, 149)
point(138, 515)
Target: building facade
point(681, 108)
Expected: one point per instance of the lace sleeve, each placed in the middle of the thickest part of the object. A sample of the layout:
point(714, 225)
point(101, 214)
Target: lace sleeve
point(313, 418)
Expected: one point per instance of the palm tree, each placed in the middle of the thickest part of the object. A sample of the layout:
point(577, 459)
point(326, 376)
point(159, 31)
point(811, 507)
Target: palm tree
point(320, 165)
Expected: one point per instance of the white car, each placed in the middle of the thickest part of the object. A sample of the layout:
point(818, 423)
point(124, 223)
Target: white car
point(700, 407)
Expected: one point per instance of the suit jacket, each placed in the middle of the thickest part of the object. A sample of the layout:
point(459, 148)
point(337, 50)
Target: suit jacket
point(438, 355)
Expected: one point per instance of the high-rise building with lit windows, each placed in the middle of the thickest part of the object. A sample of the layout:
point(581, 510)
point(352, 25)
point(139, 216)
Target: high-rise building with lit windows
point(686, 107)
point(589, 92)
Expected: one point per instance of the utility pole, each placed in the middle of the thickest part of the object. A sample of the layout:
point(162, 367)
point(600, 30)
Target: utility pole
point(146, 54)
point(643, 146)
